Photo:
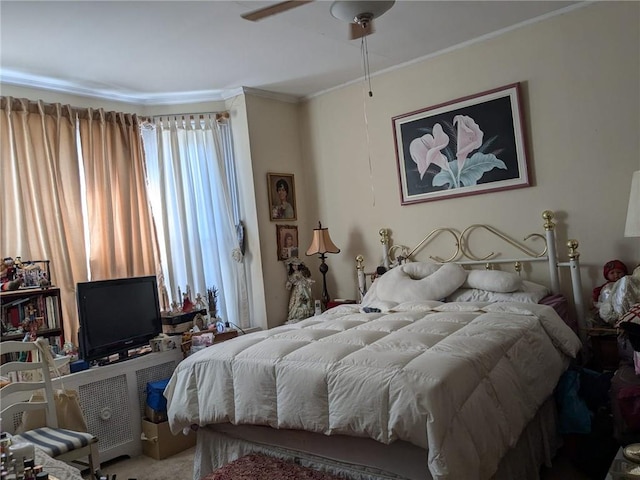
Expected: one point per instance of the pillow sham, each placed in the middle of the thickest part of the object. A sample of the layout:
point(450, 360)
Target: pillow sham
point(530, 292)
point(493, 280)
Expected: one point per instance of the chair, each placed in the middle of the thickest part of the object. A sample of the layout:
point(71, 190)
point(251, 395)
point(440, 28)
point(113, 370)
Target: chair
point(32, 377)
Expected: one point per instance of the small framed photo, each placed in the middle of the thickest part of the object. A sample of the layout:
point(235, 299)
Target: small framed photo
point(287, 239)
point(467, 146)
point(282, 196)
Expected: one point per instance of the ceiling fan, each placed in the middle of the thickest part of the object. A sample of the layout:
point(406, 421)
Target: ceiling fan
point(358, 13)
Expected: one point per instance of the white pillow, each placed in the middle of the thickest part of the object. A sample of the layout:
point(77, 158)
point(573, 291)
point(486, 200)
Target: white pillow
point(371, 296)
point(493, 280)
point(419, 281)
point(529, 293)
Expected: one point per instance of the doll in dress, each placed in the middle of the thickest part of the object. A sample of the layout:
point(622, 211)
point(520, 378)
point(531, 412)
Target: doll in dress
point(612, 271)
point(301, 300)
point(617, 297)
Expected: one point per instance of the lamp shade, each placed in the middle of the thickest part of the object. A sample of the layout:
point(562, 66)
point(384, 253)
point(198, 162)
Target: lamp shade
point(321, 242)
point(632, 227)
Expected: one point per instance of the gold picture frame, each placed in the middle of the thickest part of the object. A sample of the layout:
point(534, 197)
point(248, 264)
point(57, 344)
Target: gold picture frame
point(287, 241)
point(282, 196)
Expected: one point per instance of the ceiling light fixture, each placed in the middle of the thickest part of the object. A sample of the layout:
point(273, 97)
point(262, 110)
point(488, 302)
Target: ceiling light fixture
point(359, 12)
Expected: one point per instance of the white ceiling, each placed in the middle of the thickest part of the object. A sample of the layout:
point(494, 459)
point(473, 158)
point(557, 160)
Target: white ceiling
point(162, 52)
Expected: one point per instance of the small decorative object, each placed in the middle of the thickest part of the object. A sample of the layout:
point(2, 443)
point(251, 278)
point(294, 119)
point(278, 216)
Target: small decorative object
point(282, 197)
point(187, 305)
point(322, 244)
point(632, 452)
point(212, 300)
point(467, 146)
point(30, 323)
point(164, 295)
point(287, 241)
point(612, 271)
point(69, 349)
point(32, 273)
point(199, 322)
point(200, 303)
point(299, 282)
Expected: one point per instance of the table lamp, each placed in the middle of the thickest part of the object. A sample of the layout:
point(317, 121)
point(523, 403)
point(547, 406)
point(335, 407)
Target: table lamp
point(632, 226)
point(322, 244)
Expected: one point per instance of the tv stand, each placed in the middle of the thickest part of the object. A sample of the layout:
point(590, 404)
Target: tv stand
point(113, 396)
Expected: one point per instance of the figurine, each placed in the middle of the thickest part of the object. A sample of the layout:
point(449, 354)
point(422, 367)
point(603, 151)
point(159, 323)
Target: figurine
point(617, 298)
point(212, 299)
point(187, 305)
point(301, 300)
point(612, 271)
point(200, 303)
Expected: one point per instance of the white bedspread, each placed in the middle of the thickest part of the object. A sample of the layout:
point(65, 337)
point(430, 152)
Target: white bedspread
point(462, 378)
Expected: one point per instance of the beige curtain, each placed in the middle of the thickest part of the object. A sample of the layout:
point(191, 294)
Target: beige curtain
point(121, 234)
point(40, 211)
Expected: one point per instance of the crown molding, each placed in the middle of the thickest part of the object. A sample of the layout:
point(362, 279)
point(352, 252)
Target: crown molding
point(282, 97)
point(12, 77)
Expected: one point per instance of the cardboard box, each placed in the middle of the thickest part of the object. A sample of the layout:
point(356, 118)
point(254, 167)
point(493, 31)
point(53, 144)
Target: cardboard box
point(159, 443)
point(154, 415)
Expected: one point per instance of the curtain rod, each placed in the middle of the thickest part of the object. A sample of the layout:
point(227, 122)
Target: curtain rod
point(192, 116)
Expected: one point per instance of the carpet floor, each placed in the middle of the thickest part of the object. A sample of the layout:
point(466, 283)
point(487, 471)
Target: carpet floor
point(256, 466)
point(176, 467)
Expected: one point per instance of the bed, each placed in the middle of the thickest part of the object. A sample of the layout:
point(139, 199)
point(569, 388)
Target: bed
point(417, 381)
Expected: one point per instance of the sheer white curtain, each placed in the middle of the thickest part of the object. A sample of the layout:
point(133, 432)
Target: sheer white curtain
point(190, 177)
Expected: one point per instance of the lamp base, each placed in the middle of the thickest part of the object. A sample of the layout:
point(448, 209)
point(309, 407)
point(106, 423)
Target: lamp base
point(324, 268)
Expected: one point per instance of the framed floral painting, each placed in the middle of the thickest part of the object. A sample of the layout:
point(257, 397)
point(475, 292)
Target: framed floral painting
point(467, 146)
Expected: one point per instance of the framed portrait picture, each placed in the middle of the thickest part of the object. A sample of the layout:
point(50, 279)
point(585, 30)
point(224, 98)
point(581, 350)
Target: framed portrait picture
point(282, 196)
point(467, 146)
point(287, 240)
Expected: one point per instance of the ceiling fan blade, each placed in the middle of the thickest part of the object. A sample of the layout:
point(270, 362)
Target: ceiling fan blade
point(358, 31)
point(273, 9)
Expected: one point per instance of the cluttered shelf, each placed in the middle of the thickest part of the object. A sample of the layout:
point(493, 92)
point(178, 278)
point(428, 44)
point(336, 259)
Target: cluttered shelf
point(37, 311)
point(44, 332)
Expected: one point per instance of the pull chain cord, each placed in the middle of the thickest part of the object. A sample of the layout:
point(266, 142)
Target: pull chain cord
point(365, 61)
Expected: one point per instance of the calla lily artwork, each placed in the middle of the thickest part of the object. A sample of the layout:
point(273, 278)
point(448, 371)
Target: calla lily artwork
point(471, 145)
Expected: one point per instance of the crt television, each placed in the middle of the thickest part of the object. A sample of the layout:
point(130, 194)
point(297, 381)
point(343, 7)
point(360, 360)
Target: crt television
point(117, 315)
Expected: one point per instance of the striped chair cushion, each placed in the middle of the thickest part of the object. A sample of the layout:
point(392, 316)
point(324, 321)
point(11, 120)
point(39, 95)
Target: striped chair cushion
point(56, 441)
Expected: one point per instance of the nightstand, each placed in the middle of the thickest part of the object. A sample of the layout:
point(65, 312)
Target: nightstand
point(339, 301)
point(226, 335)
point(604, 347)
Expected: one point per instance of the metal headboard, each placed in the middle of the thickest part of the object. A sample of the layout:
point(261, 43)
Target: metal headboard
point(393, 255)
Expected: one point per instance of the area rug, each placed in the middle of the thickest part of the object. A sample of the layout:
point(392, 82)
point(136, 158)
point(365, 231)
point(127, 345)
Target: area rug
point(262, 467)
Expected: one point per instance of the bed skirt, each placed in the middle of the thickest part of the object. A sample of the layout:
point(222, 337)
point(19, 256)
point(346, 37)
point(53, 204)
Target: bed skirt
point(363, 458)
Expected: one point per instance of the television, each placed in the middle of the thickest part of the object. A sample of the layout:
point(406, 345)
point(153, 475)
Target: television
point(117, 316)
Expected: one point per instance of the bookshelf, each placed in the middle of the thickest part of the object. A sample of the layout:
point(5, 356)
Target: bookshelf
point(40, 306)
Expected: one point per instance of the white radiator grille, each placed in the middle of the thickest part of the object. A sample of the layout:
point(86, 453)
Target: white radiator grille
point(106, 407)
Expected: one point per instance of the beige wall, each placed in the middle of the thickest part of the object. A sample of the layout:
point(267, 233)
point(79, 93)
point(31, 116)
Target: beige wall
point(580, 74)
point(275, 148)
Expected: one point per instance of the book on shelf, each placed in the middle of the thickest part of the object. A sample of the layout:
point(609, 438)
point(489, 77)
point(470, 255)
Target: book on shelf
point(42, 306)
